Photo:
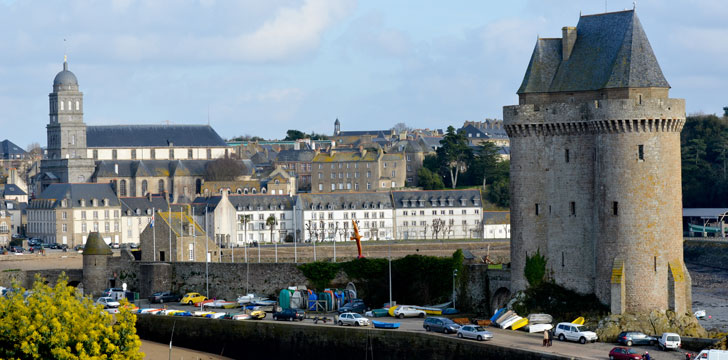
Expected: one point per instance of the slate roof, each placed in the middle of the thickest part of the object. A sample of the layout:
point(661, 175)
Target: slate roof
point(340, 156)
point(436, 198)
point(11, 189)
point(352, 200)
point(433, 142)
point(54, 193)
point(376, 133)
point(295, 155)
point(8, 150)
point(130, 205)
point(611, 51)
point(120, 136)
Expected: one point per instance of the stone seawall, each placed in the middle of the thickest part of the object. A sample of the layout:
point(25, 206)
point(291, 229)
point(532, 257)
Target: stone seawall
point(711, 253)
point(266, 340)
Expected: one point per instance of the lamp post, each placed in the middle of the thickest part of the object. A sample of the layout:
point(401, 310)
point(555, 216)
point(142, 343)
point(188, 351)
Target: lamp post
point(454, 274)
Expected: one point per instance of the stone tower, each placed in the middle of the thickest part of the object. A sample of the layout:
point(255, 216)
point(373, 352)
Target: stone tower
point(96, 255)
point(595, 167)
point(67, 159)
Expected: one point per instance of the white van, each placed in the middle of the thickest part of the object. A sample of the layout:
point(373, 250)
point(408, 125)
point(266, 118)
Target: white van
point(669, 341)
point(713, 355)
point(574, 332)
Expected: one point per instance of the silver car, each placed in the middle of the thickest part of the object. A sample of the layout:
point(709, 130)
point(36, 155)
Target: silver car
point(474, 332)
point(352, 319)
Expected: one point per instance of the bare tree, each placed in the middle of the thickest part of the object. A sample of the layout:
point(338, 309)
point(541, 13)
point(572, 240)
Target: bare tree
point(401, 127)
point(35, 151)
point(437, 227)
point(224, 169)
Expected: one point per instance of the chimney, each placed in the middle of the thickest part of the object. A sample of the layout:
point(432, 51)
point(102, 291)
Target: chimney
point(568, 38)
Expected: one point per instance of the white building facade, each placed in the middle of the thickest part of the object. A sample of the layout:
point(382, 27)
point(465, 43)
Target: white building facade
point(438, 214)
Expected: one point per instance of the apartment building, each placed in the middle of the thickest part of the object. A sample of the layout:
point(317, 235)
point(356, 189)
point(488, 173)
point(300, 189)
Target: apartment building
point(66, 213)
point(438, 214)
point(137, 213)
point(357, 170)
point(329, 217)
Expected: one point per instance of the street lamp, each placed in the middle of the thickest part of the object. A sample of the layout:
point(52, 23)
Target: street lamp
point(454, 274)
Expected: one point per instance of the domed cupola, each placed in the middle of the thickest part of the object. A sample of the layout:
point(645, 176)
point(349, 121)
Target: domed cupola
point(65, 80)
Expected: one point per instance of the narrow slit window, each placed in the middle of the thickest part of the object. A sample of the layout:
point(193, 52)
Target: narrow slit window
point(572, 208)
point(641, 152)
point(615, 208)
point(562, 259)
point(537, 209)
point(655, 262)
point(566, 155)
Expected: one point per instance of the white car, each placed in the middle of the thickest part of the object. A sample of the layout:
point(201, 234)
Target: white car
point(573, 332)
point(474, 332)
point(353, 319)
point(109, 304)
point(408, 311)
point(669, 341)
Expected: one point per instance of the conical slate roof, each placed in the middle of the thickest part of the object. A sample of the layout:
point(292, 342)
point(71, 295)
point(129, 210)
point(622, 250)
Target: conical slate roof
point(95, 245)
point(611, 51)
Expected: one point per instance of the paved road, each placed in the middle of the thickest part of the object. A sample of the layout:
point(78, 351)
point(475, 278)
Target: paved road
point(505, 338)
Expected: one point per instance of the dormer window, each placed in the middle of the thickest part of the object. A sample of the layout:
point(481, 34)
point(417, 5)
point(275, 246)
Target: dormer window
point(422, 202)
point(138, 211)
point(149, 211)
point(64, 203)
point(404, 203)
point(82, 202)
point(449, 201)
point(106, 202)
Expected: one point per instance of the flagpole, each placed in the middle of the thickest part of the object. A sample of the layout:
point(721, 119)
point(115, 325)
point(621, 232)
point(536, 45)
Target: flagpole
point(154, 237)
point(207, 258)
point(169, 217)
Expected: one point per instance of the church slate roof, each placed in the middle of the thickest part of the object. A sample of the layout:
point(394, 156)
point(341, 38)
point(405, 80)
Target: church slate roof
point(155, 168)
point(611, 51)
point(124, 136)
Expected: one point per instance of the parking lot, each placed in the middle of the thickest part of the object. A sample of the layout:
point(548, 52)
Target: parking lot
point(506, 338)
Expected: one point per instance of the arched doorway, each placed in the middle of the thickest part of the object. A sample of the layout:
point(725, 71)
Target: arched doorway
point(499, 299)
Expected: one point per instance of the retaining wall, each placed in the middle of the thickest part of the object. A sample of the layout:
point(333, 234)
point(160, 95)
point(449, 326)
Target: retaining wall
point(267, 340)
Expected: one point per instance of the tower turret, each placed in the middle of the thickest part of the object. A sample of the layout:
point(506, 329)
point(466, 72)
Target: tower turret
point(96, 255)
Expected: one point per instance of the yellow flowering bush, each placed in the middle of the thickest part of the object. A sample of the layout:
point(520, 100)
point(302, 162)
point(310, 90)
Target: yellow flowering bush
point(56, 323)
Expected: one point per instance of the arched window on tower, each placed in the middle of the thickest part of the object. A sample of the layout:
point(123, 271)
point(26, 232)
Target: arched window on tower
point(122, 188)
point(73, 139)
point(69, 105)
point(78, 105)
point(161, 186)
point(144, 187)
point(61, 105)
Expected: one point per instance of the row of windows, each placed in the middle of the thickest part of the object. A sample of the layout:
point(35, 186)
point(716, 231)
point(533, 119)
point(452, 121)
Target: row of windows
point(82, 202)
point(65, 105)
point(330, 215)
point(152, 154)
point(451, 222)
point(442, 212)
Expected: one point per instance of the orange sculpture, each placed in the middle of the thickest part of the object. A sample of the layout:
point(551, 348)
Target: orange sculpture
point(357, 237)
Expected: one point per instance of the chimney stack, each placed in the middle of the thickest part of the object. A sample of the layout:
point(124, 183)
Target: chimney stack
point(568, 38)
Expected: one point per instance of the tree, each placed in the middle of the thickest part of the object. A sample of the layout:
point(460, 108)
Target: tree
point(224, 169)
point(499, 193)
point(453, 154)
point(292, 135)
point(247, 137)
point(535, 269)
point(245, 220)
point(429, 180)
point(401, 127)
point(56, 323)
point(271, 223)
point(35, 151)
point(483, 165)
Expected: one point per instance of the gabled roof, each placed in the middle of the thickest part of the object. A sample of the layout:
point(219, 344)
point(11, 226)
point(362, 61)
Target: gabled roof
point(120, 136)
point(611, 51)
point(352, 200)
point(11, 189)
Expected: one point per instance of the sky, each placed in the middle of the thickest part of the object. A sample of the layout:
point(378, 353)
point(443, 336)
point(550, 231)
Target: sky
point(262, 67)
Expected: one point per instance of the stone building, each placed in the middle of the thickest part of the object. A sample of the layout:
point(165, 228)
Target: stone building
point(298, 163)
point(595, 167)
point(66, 213)
point(96, 255)
point(6, 225)
point(176, 233)
point(357, 170)
point(437, 214)
point(329, 216)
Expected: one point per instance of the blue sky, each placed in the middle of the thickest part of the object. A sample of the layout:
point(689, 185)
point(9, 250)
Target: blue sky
point(262, 67)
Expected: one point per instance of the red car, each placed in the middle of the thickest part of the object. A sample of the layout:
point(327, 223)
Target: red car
point(619, 353)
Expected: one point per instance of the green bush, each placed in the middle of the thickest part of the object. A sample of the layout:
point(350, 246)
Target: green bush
point(563, 304)
point(320, 273)
point(535, 269)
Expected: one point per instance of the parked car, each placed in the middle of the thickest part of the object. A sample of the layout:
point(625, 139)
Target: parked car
point(669, 341)
point(630, 338)
point(622, 353)
point(78, 248)
point(290, 314)
point(476, 332)
point(191, 298)
point(712, 355)
point(109, 304)
point(17, 249)
point(114, 293)
point(47, 245)
point(257, 314)
point(408, 311)
point(163, 297)
point(114, 245)
point(356, 305)
point(354, 319)
point(440, 324)
point(573, 332)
